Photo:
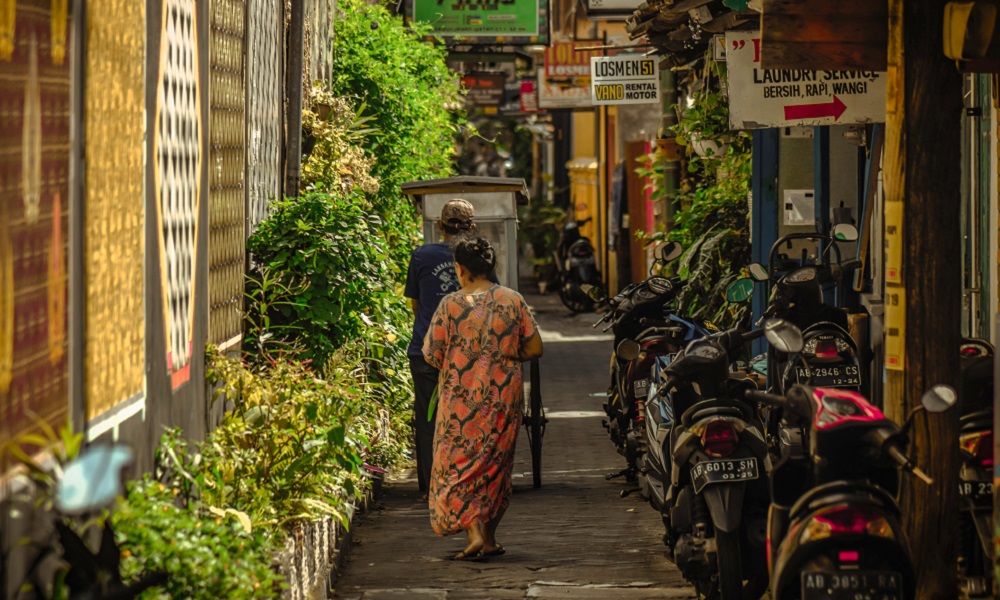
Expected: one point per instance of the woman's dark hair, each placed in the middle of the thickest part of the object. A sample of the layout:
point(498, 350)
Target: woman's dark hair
point(476, 255)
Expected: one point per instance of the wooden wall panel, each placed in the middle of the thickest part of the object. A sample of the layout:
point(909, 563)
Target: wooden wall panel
point(34, 192)
point(823, 35)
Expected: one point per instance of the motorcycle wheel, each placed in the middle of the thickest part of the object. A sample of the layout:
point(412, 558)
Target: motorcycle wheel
point(572, 300)
point(730, 568)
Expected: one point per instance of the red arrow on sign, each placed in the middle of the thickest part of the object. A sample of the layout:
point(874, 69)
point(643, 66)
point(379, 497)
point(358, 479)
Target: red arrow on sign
point(816, 111)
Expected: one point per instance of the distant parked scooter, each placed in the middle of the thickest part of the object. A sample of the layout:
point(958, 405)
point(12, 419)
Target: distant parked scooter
point(576, 265)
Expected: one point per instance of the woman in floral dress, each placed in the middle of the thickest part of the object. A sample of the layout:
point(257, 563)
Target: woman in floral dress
point(477, 338)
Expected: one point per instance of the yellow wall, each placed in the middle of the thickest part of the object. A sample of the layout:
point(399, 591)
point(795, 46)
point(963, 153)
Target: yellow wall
point(114, 113)
point(583, 134)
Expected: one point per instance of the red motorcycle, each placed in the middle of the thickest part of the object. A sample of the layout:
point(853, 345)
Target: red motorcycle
point(834, 528)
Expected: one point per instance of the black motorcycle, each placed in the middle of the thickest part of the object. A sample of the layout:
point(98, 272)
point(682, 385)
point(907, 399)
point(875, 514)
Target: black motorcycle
point(716, 509)
point(576, 266)
point(834, 527)
point(829, 355)
point(975, 552)
point(639, 316)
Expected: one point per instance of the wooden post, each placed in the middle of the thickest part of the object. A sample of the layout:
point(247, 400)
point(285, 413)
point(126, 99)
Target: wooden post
point(923, 286)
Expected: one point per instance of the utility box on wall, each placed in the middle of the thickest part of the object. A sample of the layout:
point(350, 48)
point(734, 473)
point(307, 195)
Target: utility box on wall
point(495, 200)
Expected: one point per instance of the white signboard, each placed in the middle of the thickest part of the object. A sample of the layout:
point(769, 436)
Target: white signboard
point(561, 95)
point(760, 98)
point(624, 79)
point(622, 7)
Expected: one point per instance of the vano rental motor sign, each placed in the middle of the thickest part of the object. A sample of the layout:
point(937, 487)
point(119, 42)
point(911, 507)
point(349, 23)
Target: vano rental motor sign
point(760, 98)
point(624, 79)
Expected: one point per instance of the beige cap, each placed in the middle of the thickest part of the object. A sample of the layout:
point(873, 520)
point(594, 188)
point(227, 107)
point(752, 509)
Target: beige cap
point(458, 214)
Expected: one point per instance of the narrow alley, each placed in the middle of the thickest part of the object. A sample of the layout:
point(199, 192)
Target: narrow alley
point(575, 537)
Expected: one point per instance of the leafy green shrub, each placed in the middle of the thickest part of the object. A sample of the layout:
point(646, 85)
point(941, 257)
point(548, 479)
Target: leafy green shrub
point(204, 555)
point(337, 161)
point(415, 105)
point(712, 208)
point(285, 452)
point(320, 276)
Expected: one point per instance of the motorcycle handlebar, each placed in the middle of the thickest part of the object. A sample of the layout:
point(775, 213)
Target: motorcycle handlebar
point(906, 463)
point(765, 398)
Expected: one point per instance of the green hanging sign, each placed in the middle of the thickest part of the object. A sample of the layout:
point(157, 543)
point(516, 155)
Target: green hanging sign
point(479, 18)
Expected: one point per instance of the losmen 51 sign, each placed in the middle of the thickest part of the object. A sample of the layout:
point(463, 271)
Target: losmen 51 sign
point(624, 79)
point(760, 98)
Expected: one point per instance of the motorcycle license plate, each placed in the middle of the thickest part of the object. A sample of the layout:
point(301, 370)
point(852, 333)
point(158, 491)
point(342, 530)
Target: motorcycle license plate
point(975, 489)
point(718, 471)
point(850, 585)
point(832, 376)
point(641, 388)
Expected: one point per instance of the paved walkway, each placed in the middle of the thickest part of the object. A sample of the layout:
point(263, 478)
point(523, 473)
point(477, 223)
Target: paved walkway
point(574, 538)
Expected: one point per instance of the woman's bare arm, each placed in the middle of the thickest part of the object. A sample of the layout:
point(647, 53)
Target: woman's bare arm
point(532, 348)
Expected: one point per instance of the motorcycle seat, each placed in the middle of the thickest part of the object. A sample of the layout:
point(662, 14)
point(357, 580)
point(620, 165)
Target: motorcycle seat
point(982, 419)
point(715, 408)
point(840, 492)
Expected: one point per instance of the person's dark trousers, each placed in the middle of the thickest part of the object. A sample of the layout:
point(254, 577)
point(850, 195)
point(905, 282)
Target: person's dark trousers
point(425, 379)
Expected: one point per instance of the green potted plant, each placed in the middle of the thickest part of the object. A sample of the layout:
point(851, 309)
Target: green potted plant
point(540, 222)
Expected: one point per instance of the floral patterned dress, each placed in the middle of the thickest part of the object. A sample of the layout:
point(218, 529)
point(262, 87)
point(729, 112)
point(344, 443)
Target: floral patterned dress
point(475, 340)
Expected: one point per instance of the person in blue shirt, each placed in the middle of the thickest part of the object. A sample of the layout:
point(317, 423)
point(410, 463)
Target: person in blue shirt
point(431, 277)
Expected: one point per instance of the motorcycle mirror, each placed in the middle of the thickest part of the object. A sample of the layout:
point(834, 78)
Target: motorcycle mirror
point(669, 251)
point(93, 479)
point(844, 232)
point(628, 350)
point(739, 290)
point(758, 272)
point(939, 398)
point(783, 336)
point(594, 292)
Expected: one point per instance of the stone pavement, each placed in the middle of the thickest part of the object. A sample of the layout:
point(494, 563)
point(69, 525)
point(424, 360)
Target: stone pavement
point(574, 538)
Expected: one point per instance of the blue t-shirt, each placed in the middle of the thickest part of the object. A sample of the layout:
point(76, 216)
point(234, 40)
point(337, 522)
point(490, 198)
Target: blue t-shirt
point(430, 278)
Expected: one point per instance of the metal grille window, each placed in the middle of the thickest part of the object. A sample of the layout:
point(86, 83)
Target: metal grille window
point(265, 106)
point(177, 160)
point(226, 171)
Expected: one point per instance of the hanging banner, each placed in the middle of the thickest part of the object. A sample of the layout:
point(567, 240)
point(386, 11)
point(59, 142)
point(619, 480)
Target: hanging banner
point(761, 98)
point(484, 90)
point(563, 60)
point(491, 18)
point(529, 96)
point(552, 95)
point(624, 79)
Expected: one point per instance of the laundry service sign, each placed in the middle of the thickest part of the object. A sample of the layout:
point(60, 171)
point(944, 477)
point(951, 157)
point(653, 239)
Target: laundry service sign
point(760, 98)
point(624, 79)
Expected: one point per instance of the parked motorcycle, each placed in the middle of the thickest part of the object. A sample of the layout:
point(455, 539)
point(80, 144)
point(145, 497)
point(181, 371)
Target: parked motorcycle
point(644, 329)
point(829, 356)
point(834, 526)
point(715, 511)
point(576, 265)
point(975, 552)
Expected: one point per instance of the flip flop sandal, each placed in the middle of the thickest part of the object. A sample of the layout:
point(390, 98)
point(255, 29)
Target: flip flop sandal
point(470, 557)
point(498, 551)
